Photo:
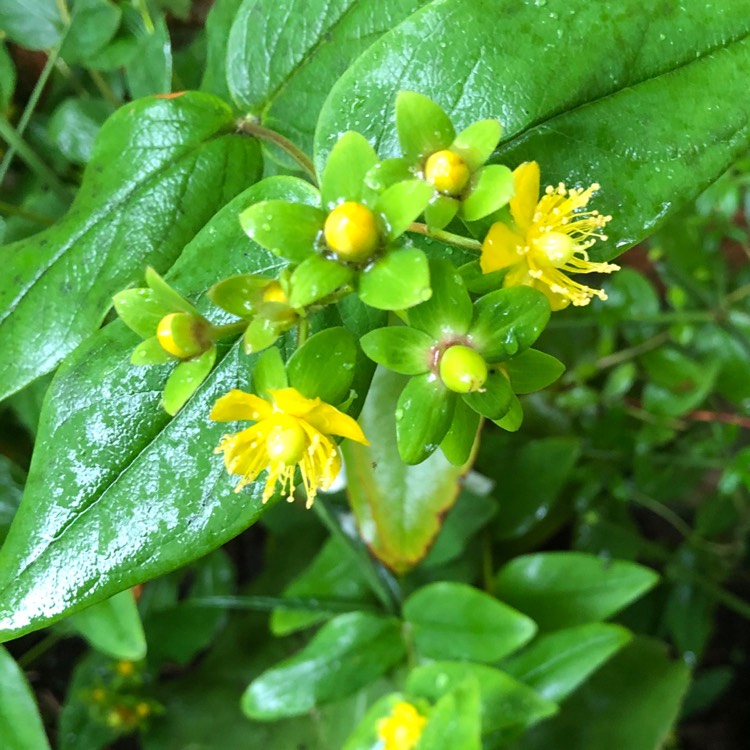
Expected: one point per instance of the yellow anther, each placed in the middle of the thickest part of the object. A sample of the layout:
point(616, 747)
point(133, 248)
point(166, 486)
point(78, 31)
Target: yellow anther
point(351, 232)
point(447, 171)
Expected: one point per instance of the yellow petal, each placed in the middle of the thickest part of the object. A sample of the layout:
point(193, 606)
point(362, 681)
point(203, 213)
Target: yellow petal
point(523, 204)
point(240, 405)
point(500, 248)
point(292, 402)
point(245, 453)
point(330, 421)
point(556, 301)
point(518, 276)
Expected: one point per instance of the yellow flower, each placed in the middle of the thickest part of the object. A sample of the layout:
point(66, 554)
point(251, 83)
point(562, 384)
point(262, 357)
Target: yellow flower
point(290, 431)
point(549, 239)
point(402, 729)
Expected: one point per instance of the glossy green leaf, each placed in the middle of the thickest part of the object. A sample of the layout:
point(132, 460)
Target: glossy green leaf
point(315, 278)
point(492, 188)
point(422, 126)
point(448, 312)
point(455, 720)
point(460, 438)
point(289, 230)
point(423, 416)
point(455, 621)
point(476, 143)
point(513, 419)
point(508, 321)
point(557, 663)
point(36, 24)
point(151, 157)
point(533, 370)
point(494, 400)
point(505, 702)
point(398, 507)
point(283, 56)
point(630, 704)
point(185, 379)
point(563, 589)
point(402, 203)
point(20, 724)
point(348, 653)
point(399, 348)
point(399, 280)
point(642, 83)
point(344, 176)
point(113, 627)
point(323, 367)
point(111, 470)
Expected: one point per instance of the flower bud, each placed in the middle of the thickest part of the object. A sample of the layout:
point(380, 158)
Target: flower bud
point(351, 232)
point(183, 335)
point(448, 172)
point(274, 292)
point(462, 369)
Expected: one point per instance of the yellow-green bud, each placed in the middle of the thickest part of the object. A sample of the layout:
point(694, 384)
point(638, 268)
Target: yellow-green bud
point(183, 335)
point(447, 171)
point(556, 247)
point(274, 292)
point(462, 369)
point(351, 232)
point(287, 442)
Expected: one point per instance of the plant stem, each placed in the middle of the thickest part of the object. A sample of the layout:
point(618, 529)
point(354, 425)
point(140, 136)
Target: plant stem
point(230, 329)
point(38, 649)
point(269, 603)
point(251, 126)
point(104, 88)
point(624, 355)
point(447, 237)
point(303, 330)
point(9, 208)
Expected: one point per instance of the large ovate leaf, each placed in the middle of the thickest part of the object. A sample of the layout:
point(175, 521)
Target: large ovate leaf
point(160, 168)
point(398, 507)
point(112, 472)
point(640, 111)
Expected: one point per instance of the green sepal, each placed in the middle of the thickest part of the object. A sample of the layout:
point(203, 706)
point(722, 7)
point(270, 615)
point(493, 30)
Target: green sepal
point(492, 188)
point(289, 230)
point(397, 281)
point(399, 348)
point(422, 125)
point(513, 420)
point(260, 334)
point(269, 373)
point(494, 400)
point(185, 379)
point(323, 367)
point(150, 352)
point(423, 417)
point(343, 178)
point(140, 310)
point(476, 143)
point(481, 283)
point(440, 211)
point(508, 321)
point(388, 172)
point(402, 203)
point(459, 440)
point(173, 301)
point(533, 370)
point(315, 278)
point(448, 312)
point(240, 295)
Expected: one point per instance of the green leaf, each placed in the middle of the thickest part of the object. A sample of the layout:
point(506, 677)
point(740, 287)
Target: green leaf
point(239, 295)
point(454, 721)
point(150, 70)
point(348, 653)
point(448, 312)
point(141, 310)
point(7, 78)
point(218, 24)
point(399, 280)
point(533, 370)
point(399, 348)
point(315, 278)
point(423, 417)
point(20, 724)
point(455, 621)
point(557, 663)
point(492, 188)
point(74, 125)
point(422, 126)
point(494, 400)
point(387, 173)
point(508, 321)
point(513, 420)
point(289, 230)
point(93, 23)
point(283, 56)
point(12, 479)
point(259, 335)
point(505, 702)
point(476, 143)
point(36, 24)
point(323, 367)
point(440, 211)
point(170, 298)
point(344, 176)
point(562, 589)
point(630, 704)
point(113, 627)
point(185, 379)
point(402, 203)
point(151, 158)
point(460, 438)
point(643, 84)
point(269, 373)
point(398, 507)
point(152, 487)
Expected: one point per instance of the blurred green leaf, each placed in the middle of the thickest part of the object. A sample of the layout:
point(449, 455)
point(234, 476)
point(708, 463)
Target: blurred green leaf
point(35, 24)
point(74, 125)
